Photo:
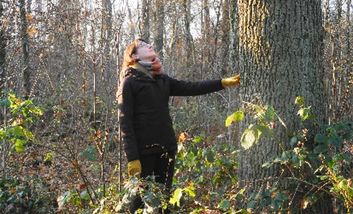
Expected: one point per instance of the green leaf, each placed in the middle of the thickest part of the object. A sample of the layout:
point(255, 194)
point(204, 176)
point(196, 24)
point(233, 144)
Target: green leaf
point(300, 101)
point(48, 157)
point(5, 102)
point(293, 141)
point(251, 204)
point(175, 199)
point(190, 190)
point(197, 139)
point(304, 113)
point(229, 120)
point(90, 153)
point(20, 145)
point(236, 116)
point(322, 148)
point(210, 156)
point(16, 131)
point(250, 136)
point(224, 205)
point(270, 114)
point(84, 195)
point(319, 138)
point(2, 134)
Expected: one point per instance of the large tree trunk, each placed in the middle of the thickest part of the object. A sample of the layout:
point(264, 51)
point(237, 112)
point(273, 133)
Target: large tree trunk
point(280, 46)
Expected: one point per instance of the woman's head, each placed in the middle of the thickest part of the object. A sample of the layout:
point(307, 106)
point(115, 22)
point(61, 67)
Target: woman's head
point(138, 50)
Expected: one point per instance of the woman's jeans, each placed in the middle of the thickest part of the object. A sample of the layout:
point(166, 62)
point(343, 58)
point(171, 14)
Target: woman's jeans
point(161, 166)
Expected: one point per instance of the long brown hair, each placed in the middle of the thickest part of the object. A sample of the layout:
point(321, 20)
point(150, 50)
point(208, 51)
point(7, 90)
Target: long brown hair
point(129, 51)
point(128, 59)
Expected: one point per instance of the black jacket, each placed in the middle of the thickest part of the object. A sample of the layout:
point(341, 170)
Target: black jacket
point(144, 113)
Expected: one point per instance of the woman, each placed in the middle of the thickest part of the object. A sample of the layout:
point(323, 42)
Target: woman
point(147, 133)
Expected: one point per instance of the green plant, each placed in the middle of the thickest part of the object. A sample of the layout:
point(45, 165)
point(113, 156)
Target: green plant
point(15, 130)
point(29, 195)
point(318, 162)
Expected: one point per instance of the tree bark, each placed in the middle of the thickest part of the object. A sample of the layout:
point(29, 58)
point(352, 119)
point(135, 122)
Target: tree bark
point(26, 73)
point(145, 22)
point(280, 46)
point(348, 34)
point(159, 27)
point(225, 38)
point(188, 36)
point(206, 37)
point(2, 52)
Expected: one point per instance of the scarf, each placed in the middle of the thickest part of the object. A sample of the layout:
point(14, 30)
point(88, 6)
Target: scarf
point(151, 68)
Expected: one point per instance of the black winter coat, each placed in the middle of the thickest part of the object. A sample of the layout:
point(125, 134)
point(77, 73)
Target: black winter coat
point(144, 112)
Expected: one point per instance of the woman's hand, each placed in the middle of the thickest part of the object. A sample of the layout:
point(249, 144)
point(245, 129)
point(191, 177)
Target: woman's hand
point(134, 168)
point(231, 81)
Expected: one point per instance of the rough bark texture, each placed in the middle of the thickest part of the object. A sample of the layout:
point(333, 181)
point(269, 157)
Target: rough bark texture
point(280, 46)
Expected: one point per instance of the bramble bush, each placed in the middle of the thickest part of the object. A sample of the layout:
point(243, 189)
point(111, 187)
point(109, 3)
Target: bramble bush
point(322, 160)
point(28, 194)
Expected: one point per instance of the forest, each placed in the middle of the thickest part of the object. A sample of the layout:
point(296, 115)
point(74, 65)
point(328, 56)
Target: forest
point(280, 142)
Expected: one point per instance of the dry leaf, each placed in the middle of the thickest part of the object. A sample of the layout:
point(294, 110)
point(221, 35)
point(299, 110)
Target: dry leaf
point(31, 31)
point(29, 17)
point(182, 137)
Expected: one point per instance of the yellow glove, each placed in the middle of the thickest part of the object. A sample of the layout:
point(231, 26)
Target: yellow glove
point(134, 168)
point(231, 81)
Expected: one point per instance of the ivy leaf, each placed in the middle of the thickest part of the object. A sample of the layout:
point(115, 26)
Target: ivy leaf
point(249, 137)
point(175, 199)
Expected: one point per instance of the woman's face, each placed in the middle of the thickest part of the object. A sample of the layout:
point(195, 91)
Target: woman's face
point(145, 52)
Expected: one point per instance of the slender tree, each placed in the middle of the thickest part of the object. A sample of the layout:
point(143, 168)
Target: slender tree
point(159, 27)
point(26, 73)
point(186, 5)
point(2, 51)
point(145, 22)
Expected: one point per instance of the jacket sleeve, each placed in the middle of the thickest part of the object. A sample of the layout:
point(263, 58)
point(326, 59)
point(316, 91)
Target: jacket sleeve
point(187, 88)
point(126, 114)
